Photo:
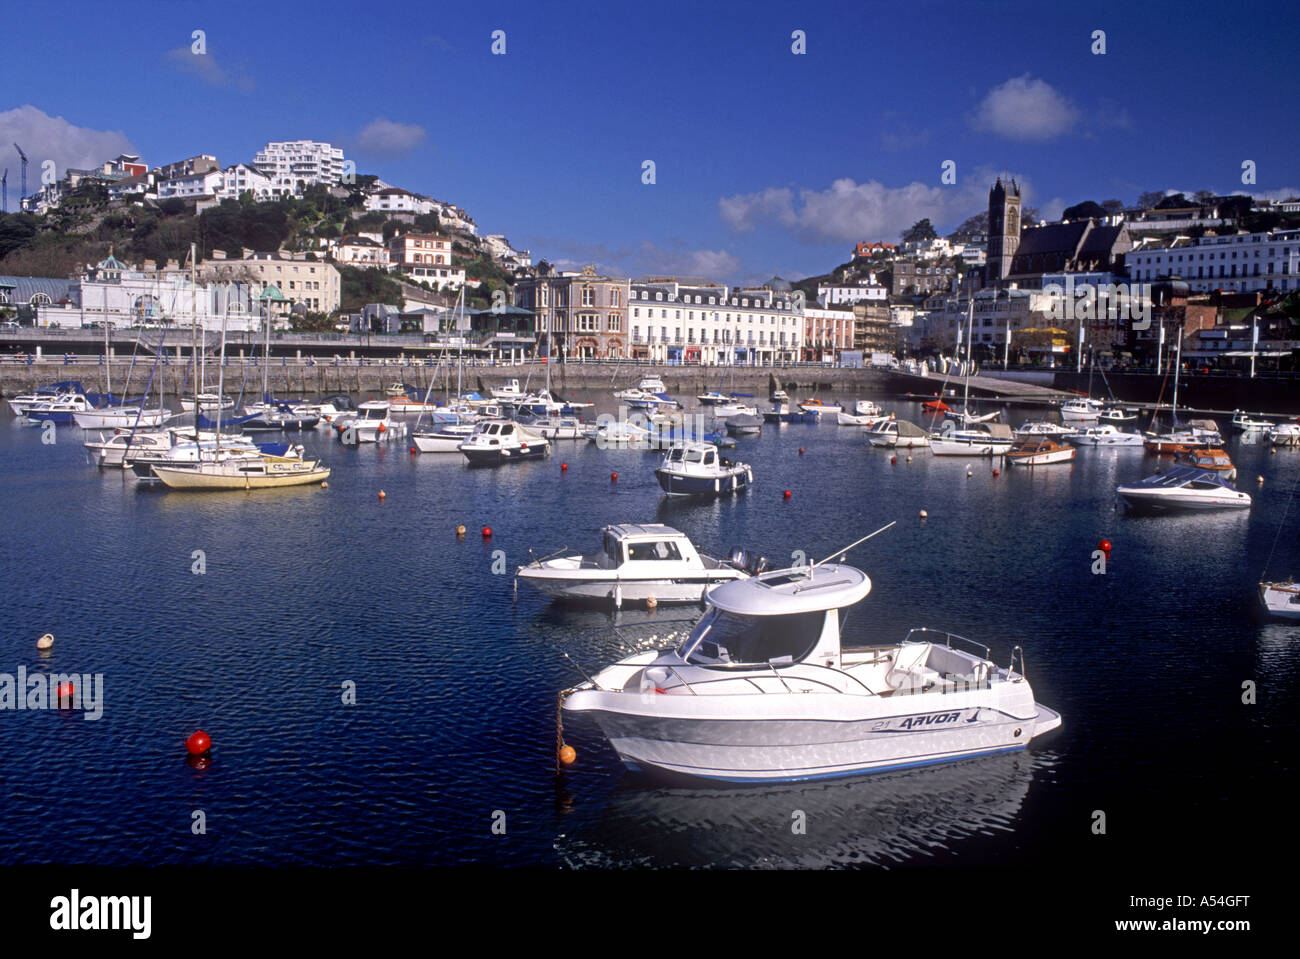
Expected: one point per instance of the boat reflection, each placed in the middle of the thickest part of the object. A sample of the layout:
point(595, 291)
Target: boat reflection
point(878, 820)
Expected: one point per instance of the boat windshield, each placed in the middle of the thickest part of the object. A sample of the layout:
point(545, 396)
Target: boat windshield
point(374, 413)
point(730, 638)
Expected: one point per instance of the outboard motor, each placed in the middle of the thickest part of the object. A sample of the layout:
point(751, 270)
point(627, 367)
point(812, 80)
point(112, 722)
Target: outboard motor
point(760, 564)
point(738, 557)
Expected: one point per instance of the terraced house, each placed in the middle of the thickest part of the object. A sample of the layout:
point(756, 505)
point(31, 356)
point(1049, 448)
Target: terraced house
point(695, 322)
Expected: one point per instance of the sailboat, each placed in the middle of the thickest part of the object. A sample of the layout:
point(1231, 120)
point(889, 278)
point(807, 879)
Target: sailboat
point(1197, 433)
point(237, 469)
point(977, 438)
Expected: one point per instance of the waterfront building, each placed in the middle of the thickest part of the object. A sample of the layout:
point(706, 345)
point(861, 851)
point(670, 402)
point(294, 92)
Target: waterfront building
point(1237, 262)
point(581, 315)
point(312, 284)
point(846, 294)
point(826, 332)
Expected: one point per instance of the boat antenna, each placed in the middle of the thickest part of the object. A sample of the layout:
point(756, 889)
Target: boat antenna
point(841, 552)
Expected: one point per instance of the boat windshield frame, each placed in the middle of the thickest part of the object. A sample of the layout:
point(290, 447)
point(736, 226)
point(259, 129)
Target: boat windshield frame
point(754, 632)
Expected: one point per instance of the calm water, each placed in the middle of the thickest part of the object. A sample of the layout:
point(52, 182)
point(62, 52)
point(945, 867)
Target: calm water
point(455, 686)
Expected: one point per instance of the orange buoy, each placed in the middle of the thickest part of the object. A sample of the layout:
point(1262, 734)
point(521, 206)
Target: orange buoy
point(460, 530)
point(786, 494)
point(568, 755)
point(487, 531)
point(613, 477)
point(46, 641)
point(382, 428)
point(382, 494)
point(198, 743)
point(651, 602)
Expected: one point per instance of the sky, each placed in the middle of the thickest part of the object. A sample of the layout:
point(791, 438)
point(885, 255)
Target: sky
point(765, 161)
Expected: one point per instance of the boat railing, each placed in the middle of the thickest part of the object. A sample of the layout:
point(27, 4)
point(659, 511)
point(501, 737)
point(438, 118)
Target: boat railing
point(1011, 671)
point(947, 639)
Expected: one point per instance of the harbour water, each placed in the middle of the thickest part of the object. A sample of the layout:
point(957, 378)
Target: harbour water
point(249, 614)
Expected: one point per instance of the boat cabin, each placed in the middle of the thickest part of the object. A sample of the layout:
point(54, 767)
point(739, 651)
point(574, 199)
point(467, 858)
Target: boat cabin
point(779, 618)
point(374, 410)
point(631, 547)
point(699, 456)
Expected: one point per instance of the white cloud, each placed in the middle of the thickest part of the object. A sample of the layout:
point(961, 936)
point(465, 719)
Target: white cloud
point(1025, 109)
point(44, 137)
point(647, 257)
point(383, 137)
point(848, 211)
point(206, 68)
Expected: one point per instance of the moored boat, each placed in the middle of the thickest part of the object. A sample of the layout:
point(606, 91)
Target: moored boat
point(898, 433)
point(1038, 452)
point(503, 441)
point(698, 469)
point(1182, 489)
point(1106, 435)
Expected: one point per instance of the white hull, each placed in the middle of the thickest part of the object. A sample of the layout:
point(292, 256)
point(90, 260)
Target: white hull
point(950, 447)
point(814, 736)
point(1043, 459)
point(242, 475)
point(1280, 599)
point(1182, 501)
point(121, 418)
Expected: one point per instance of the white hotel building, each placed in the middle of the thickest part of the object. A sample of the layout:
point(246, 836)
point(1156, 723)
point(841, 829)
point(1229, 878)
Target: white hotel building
point(294, 165)
point(1240, 262)
point(711, 324)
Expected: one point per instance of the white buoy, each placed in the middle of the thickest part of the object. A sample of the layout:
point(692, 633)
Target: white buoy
point(924, 514)
point(46, 641)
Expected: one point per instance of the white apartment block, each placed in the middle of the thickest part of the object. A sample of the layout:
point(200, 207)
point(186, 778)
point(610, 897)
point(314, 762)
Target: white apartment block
point(360, 251)
point(832, 294)
point(294, 165)
point(1240, 262)
point(243, 178)
point(397, 200)
point(712, 324)
point(189, 187)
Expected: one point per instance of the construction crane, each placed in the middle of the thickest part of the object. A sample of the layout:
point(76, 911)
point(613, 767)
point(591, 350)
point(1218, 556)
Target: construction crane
point(4, 192)
point(24, 159)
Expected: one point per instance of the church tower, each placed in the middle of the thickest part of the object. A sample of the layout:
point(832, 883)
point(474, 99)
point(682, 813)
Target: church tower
point(1004, 229)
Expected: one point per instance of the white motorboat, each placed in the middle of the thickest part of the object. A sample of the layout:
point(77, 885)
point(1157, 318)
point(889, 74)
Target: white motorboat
point(1281, 599)
point(60, 409)
point(866, 408)
point(712, 398)
point(1038, 451)
point(636, 563)
point(855, 419)
point(1105, 435)
point(444, 439)
point(559, 427)
point(1044, 428)
point(894, 433)
point(1284, 434)
point(979, 439)
point(697, 469)
point(612, 432)
point(1117, 414)
point(1182, 489)
point(764, 688)
point(121, 417)
point(372, 424)
point(1082, 410)
point(509, 393)
point(113, 450)
point(734, 408)
point(209, 402)
point(403, 404)
point(503, 441)
point(43, 394)
point(815, 405)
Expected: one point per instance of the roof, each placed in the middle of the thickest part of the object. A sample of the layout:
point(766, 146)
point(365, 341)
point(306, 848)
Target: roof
point(624, 530)
point(796, 590)
point(25, 287)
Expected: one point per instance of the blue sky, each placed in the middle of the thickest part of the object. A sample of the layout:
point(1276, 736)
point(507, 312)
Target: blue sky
point(765, 161)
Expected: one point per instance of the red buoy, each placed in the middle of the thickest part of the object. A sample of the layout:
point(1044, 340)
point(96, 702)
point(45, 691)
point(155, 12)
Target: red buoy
point(786, 494)
point(413, 449)
point(487, 531)
point(564, 467)
point(382, 427)
point(995, 472)
point(1104, 546)
point(198, 743)
point(613, 477)
point(801, 451)
point(893, 460)
point(65, 692)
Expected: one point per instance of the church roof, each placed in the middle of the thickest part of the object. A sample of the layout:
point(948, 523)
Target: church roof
point(1053, 238)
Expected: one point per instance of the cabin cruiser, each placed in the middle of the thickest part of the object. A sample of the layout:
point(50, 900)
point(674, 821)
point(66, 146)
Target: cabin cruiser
point(1281, 599)
point(60, 409)
point(1117, 414)
point(1105, 436)
point(612, 432)
point(1038, 451)
point(1082, 410)
point(124, 444)
point(501, 441)
point(897, 434)
point(815, 405)
point(1182, 489)
point(979, 439)
point(277, 418)
point(1209, 458)
point(765, 688)
point(445, 439)
point(43, 394)
point(559, 427)
point(697, 469)
point(404, 403)
point(1196, 433)
point(372, 424)
point(543, 403)
point(779, 397)
point(712, 398)
point(509, 393)
point(636, 563)
point(209, 402)
point(733, 407)
point(1284, 434)
point(651, 385)
point(185, 455)
point(1044, 429)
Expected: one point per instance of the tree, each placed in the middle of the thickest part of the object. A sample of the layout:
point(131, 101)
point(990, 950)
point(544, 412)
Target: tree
point(1235, 207)
point(1148, 200)
point(977, 225)
point(16, 230)
point(1174, 201)
point(1203, 197)
point(1113, 206)
point(1029, 215)
point(920, 230)
point(1087, 210)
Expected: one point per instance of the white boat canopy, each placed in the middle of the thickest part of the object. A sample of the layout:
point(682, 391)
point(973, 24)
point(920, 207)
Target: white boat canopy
point(801, 589)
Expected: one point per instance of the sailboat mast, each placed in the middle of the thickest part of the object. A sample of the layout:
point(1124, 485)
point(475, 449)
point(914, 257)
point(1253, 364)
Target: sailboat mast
point(970, 323)
point(1178, 368)
point(194, 348)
